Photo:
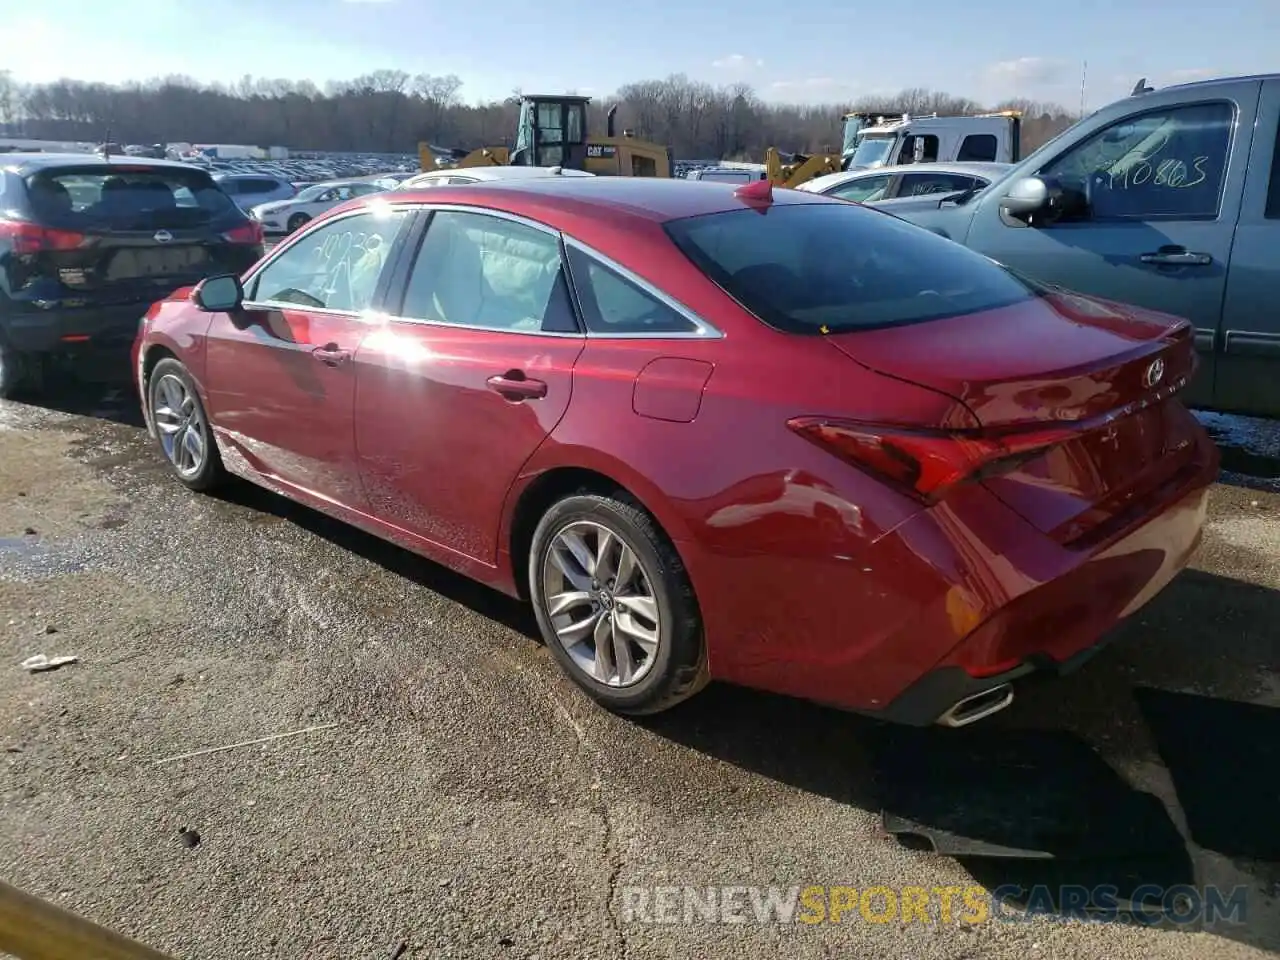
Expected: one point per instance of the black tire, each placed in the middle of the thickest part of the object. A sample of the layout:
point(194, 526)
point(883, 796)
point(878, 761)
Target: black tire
point(14, 381)
point(211, 472)
point(679, 668)
point(297, 222)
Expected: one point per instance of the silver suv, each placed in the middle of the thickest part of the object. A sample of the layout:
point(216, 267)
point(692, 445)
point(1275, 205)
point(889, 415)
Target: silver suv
point(248, 190)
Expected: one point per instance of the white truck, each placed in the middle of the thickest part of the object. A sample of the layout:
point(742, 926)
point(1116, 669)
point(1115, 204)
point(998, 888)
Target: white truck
point(988, 137)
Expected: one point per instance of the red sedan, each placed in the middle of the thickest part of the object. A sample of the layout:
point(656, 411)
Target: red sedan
point(768, 438)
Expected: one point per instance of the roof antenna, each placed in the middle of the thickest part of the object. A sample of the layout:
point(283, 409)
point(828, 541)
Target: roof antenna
point(757, 191)
point(555, 171)
point(1141, 87)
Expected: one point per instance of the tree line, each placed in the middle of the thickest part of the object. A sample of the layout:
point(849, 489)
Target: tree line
point(390, 111)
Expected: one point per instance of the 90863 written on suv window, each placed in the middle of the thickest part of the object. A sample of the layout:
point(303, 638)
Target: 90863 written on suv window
point(1166, 164)
point(830, 268)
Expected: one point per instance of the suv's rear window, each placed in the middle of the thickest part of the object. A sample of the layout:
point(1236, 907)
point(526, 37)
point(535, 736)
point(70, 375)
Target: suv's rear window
point(806, 267)
point(122, 198)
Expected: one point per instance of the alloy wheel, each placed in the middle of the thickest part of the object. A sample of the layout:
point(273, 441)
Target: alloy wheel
point(601, 604)
point(184, 435)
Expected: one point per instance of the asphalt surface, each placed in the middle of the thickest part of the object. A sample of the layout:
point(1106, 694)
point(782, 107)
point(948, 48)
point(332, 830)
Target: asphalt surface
point(454, 796)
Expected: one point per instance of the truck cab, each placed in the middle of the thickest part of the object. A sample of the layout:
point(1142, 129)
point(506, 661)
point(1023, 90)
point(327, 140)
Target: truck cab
point(1168, 199)
point(992, 138)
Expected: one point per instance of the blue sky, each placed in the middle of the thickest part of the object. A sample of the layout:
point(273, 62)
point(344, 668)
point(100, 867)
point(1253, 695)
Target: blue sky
point(986, 49)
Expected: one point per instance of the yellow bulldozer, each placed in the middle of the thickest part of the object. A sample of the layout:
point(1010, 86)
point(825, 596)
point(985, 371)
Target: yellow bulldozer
point(552, 132)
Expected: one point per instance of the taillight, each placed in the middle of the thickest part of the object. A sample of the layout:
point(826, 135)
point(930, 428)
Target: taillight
point(250, 232)
point(27, 238)
point(925, 464)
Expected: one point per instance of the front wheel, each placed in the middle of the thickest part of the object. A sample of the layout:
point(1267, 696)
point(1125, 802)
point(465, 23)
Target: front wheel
point(14, 379)
point(615, 605)
point(297, 222)
point(182, 428)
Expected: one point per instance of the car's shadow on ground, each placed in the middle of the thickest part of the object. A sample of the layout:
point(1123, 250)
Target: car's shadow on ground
point(1027, 802)
point(1030, 802)
point(453, 586)
point(98, 388)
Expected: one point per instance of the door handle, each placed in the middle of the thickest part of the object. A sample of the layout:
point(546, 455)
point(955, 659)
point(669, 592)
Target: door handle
point(331, 354)
point(515, 386)
point(1177, 257)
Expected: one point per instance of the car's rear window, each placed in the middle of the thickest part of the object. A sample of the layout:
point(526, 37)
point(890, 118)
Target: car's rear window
point(119, 197)
point(832, 267)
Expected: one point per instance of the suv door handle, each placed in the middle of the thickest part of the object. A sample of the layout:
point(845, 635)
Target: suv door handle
point(331, 354)
point(515, 386)
point(1177, 257)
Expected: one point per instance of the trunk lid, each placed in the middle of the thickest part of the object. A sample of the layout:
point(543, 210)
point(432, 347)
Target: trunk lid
point(1081, 386)
point(1058, 358)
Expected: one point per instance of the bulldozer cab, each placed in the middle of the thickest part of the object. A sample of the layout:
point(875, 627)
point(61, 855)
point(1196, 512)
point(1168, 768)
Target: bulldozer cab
point(551, 132)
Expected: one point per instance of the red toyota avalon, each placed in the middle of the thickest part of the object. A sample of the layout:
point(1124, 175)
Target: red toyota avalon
point(763, 437)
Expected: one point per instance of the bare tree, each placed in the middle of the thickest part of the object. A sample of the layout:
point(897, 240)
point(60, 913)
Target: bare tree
point(391, 111)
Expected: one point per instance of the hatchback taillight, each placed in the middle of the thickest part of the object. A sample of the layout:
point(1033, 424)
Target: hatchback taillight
point(27, 238)
point(250, 232)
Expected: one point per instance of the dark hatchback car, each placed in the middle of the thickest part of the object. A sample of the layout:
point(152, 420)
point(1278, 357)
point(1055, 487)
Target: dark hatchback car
point(88, 243)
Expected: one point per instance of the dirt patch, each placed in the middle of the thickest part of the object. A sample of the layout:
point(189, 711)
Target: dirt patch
point(43, 489)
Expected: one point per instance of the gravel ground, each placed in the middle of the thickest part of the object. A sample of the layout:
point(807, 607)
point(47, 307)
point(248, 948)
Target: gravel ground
point(454, 794)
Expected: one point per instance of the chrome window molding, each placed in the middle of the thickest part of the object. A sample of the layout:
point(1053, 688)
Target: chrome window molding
point(702, 329)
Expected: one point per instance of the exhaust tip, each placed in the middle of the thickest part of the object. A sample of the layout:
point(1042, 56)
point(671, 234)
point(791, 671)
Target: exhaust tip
point(977, 706)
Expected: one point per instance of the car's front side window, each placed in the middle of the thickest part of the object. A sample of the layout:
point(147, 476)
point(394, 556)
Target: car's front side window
point(478, 270)
point(862, 189)
point(1167, 164)
point(336, 266)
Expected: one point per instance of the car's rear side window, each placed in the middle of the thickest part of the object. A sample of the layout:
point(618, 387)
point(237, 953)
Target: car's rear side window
point(832, 267)
point(119, 197)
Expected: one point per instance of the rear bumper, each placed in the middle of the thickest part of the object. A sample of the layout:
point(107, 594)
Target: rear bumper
point(58, 329)
point(960, 600)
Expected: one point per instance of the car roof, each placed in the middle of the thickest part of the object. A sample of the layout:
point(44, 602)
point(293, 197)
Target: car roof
point(653, 199)
point(502, 173)
point(978, 168)
point(244, 174)
point(25, 163)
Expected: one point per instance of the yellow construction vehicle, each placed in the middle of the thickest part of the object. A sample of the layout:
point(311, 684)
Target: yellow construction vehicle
point(798, 167)
point(552, 132)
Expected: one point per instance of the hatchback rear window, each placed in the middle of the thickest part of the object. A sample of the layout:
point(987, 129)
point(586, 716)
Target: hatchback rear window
point(833, 267)
point(124, 198)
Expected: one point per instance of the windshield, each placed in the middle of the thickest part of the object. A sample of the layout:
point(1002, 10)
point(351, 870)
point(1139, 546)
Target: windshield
point(873, 151)
point(835, 267)
point(118, 197)
point(851, 127)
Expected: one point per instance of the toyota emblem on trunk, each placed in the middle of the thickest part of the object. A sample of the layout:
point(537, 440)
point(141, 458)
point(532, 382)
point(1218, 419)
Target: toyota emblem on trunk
point(1154, 374)
point(164, 236)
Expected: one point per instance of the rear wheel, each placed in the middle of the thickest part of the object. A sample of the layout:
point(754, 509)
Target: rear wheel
point(615, 605)
point(182, 428)
point(297, 222)
point(19, 375)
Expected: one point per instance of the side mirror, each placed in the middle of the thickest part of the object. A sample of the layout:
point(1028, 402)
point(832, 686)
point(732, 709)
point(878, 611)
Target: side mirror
point(221, 294)
point(1042, 198)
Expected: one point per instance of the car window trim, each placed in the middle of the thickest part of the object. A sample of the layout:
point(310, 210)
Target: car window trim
point(703, 330)
point(379, 293)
